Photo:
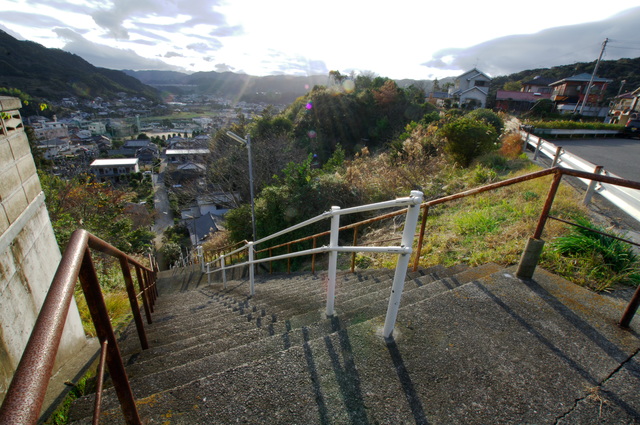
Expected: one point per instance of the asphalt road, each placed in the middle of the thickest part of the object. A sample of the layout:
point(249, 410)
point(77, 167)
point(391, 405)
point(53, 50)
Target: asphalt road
point(619, 156)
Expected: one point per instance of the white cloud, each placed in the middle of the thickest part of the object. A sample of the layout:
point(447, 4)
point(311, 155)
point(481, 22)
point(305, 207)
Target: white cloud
point(109, 57)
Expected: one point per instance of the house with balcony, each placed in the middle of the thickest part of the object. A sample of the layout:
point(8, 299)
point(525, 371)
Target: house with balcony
point(569, 95)
point(114, 169)
point(471, 89)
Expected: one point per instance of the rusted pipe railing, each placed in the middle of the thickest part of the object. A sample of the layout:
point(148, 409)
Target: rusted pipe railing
point(25, 395)
point(100, 382)
point(547, 205)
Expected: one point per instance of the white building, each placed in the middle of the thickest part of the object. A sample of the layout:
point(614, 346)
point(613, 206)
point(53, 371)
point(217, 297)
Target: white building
point(182, 156)
point(114, 169)
point(51, 130)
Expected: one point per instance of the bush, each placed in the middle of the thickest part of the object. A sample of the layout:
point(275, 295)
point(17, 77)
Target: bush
point(488, 117)
point(467, 138)
point(511, 146)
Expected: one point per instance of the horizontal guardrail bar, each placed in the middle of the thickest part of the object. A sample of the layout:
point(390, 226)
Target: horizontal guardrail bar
point(573, 131)
point(323, 216)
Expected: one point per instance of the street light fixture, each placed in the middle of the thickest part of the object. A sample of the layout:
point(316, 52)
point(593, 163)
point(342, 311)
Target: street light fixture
point(247, 143)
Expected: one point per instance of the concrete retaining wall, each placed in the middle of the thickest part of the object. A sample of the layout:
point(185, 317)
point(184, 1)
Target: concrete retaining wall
point(29, 254)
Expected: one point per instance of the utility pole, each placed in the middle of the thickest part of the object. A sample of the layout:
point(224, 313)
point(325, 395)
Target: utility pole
point(595, 70)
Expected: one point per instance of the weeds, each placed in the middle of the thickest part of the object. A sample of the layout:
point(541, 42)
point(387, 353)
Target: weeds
point(61, 414)
point(600, 262)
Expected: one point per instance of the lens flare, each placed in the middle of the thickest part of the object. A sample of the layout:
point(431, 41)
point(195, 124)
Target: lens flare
point(349, 86)
point(309, 106)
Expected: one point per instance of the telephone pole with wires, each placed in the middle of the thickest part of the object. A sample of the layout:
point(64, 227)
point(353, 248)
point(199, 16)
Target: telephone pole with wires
point(595, 70)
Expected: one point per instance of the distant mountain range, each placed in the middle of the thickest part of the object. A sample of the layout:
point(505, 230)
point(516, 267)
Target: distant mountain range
point(54, 74)
point(274, 89)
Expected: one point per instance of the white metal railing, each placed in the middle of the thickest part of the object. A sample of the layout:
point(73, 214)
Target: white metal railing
point(624, 198)
point(412, 202)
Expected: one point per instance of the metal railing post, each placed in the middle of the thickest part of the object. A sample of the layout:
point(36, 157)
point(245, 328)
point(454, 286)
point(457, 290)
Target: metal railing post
point(313, 257)
point(535, 154)
point(104, 330)
point(355, 243)
point(547, 205)
point(592, 187)
point(631, 309)
point(333, 261)
point(224, 271)
point(208, 273)
point(201, 258)
point(145, 295)
point(133, 301)
point(408, 234)
point(556, 157)
point(252, 283)
point(425, 215)
point(526, 142)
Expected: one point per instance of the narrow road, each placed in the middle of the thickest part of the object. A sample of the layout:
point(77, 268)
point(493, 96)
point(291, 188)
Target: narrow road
point(164, 215)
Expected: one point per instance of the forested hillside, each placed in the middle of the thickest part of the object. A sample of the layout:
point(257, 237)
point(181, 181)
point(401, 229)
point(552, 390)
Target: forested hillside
point(616, 70)
point(53, 73)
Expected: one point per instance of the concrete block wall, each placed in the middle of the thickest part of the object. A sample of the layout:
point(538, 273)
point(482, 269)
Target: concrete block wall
point(29, 254)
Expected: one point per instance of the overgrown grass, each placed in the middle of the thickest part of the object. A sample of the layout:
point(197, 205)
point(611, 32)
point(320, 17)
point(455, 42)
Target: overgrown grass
point(494, 227)
point(593, 259)
point(114, 293)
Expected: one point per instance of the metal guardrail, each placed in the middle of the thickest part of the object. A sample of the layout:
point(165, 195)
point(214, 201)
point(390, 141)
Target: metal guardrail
point(574, 132)
point(26, 392)
point(624, 198)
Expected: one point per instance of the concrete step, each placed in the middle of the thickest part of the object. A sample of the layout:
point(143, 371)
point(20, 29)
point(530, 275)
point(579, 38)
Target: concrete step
point(181, 362)
point(494, 350)
point(357, 307)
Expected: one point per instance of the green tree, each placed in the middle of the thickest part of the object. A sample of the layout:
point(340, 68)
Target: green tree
point(512, 86)
point(489, 117)
point(467, 138)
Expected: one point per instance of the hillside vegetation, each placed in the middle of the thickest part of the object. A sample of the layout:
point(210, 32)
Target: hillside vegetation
point(442, 153)
point(54, 74)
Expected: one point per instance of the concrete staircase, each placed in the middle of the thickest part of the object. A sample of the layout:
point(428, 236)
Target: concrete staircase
point(471, 346)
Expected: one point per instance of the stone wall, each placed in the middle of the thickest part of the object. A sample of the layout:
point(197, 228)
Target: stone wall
point(29, 254)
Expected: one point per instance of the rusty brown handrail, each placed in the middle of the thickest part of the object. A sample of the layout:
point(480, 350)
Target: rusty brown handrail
point(25, 396)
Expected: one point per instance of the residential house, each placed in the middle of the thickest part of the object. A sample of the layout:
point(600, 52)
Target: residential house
point(114, 169)
point(50, 130)
point(471, 89)
point(147, 154)
point(569, 94)
point(438, 98)
point(97, 128)
point(52, 147)
point(518, 101)
point(538, 85)
point(625, 107)
point(182, 156)
point(200, 227)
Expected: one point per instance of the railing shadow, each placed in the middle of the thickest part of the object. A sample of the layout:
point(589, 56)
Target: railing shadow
point(579, 324)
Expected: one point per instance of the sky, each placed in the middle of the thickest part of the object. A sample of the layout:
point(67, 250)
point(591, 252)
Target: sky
point(414, 39)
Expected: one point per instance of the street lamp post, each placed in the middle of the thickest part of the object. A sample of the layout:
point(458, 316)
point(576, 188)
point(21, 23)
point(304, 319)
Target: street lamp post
point(195, 233)
point(247, 143)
